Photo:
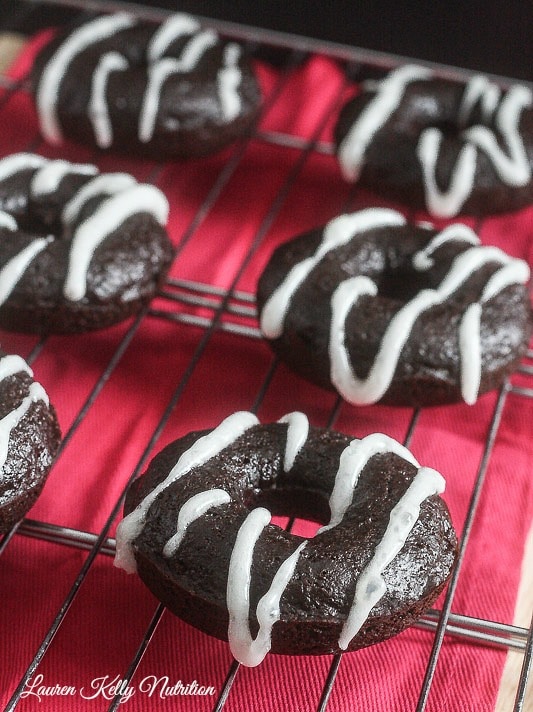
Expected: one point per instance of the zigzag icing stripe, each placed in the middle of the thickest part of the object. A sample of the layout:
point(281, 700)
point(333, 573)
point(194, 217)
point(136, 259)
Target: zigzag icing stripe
point(504, 147)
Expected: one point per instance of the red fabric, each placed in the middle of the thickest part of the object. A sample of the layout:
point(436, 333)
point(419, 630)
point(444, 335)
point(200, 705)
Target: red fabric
point(108, 618)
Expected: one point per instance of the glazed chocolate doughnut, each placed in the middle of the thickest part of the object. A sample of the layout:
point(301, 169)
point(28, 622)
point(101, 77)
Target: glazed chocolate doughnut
point(29, 438)
point(380, 310)
point(438, 144)
point(197, 529)
point(80, 249)
point(174, 90)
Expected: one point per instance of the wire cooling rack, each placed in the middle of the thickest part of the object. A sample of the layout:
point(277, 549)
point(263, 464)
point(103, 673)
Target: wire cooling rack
point(208, 311)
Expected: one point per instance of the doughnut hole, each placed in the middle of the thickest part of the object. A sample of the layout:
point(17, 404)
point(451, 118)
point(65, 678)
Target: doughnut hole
point(306, 510)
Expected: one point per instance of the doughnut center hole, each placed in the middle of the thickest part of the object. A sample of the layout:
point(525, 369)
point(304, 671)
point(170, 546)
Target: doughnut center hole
point(306, 511)
point(403, 284)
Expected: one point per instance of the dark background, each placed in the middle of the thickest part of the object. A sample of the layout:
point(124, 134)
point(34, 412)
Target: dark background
point(494, 36)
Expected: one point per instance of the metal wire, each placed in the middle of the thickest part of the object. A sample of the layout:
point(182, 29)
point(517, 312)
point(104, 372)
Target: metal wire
point(234, 312)
point(525, 672)
point(452, 585)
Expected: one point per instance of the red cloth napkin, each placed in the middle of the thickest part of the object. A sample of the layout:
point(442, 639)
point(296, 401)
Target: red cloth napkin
point(229, 246)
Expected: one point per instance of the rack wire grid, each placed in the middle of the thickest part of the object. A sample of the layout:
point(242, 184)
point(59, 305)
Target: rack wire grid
point(208, 322)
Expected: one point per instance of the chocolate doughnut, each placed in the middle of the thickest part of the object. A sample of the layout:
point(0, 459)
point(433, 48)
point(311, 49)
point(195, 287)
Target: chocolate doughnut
point(79, 249)
point(438, 144)
point(197, 529)
point(174, 90)
point(29, 438)
point(383, 311)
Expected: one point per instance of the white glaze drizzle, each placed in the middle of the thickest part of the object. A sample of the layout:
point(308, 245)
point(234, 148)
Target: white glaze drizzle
point(470, 343)
point(110, 215)
point(174, 27)
point(159, 71)
point(478, 90)
point(512, 168)
point(353, 460)
point(8, 222)
point(199, 453)
point(355, 390)
point(373, 387)
point(228, 80)
point(469, 328)
point(371, 586)
point(101, 184)
point(445, 203)
point(336, 233)
point(389, 93)
point(18, 162)
point(47, 179)
point(12, 364)
point(127, 198)
point(297, 433)
point(12, 271)
point(514, 272)
point(423, 260)
point(97, 109)
point(53, 73)
point(13, 418)
point(192, 510)
point(247, 650)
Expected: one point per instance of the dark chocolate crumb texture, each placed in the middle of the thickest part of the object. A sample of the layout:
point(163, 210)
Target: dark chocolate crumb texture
point(384, 311)
point(29, 438)
point(79, 249)
point(446, 146)
point(159, 91)
point(198, 530)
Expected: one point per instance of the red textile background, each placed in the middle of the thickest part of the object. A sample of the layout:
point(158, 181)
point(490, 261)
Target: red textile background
point(108, 617)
